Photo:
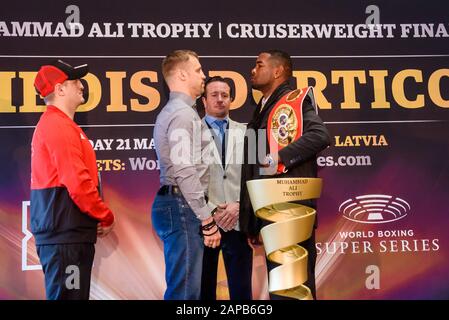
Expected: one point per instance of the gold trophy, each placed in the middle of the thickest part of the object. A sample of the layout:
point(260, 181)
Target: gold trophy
point(272, 200)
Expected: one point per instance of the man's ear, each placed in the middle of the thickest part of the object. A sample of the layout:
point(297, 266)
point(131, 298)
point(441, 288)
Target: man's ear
point(59, 89)
point(182, 74)
point(204, 100)
point(279, 71)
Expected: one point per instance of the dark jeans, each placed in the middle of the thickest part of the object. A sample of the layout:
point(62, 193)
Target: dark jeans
point(67, 270)
point(178, 228)
point(238, 260)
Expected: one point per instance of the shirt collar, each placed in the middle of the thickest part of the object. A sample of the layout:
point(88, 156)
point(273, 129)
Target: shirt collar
point(210, 119)
point(264, 100)
point(183, 97)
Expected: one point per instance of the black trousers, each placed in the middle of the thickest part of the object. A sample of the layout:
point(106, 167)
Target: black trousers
point(309, 245)
point(67, 270)
point(238, 261)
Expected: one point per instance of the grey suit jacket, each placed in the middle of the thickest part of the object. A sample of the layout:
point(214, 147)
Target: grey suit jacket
point(224, 183)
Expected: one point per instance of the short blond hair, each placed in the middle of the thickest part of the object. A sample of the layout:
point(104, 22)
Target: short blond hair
point(174, 58)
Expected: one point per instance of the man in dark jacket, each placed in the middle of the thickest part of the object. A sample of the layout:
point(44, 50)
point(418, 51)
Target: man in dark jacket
point(271, 76)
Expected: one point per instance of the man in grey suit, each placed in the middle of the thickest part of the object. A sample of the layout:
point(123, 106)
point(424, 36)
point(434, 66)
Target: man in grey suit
point(224, 194)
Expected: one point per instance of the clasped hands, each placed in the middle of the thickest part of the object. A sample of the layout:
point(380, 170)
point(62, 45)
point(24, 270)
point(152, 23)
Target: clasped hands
point(227, 215)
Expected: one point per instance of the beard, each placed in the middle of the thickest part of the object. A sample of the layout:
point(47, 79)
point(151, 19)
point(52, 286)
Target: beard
point(255, 86)
point(258, 86)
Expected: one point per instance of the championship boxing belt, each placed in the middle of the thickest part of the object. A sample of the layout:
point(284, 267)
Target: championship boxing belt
point(285, 122)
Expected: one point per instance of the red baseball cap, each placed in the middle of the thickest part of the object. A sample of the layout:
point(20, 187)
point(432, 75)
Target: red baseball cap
point(57, 72)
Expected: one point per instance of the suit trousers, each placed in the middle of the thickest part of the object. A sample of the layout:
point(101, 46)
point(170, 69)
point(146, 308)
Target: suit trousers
point(238, 261)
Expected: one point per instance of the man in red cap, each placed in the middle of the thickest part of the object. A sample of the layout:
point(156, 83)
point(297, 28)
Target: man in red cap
point(67, 212)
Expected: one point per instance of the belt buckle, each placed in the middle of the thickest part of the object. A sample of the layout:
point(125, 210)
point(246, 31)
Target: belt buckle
point(175, 190)
point(169, 190)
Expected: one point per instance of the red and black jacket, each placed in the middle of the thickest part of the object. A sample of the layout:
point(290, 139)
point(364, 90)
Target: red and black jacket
point(65, 203)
